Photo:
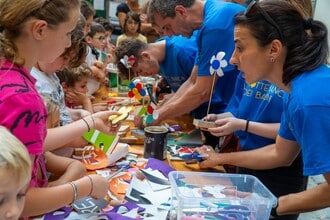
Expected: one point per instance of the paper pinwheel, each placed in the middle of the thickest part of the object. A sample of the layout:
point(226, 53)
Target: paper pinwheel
point(136, 90)
point(152, 113)
point(217, 63)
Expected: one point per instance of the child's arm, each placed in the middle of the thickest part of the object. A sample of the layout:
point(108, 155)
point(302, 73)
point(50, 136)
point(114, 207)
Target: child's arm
point(77, 114)
point(70, 132)
point(39, 201)
point(63, 169)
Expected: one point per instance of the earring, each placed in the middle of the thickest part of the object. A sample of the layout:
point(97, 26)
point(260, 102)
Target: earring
point(272, 60)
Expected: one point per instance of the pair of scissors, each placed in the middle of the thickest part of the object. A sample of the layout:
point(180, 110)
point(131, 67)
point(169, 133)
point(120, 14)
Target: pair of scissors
point(230, 212)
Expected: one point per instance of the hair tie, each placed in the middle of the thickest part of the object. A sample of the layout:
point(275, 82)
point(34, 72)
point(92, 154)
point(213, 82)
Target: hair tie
point(308, 23)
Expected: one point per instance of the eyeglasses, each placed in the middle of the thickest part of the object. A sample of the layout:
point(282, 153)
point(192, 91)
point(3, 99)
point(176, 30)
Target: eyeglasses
point(265, 15)
point(100, 38)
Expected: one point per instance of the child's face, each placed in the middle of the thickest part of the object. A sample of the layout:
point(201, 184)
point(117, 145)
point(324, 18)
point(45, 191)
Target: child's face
point(12, 196)
point(99, 41)
point(81, 85)
point(58, 64)
point(132, 26)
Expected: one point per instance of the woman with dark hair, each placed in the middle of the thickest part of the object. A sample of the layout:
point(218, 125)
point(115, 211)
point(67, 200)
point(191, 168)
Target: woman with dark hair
point(274, 41)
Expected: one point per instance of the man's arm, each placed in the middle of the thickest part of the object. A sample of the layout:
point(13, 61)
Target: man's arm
point(187, 98)
point(183, 88)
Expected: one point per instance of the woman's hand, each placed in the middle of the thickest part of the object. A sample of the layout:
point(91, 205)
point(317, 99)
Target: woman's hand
point(227, 126)
point(211, 160)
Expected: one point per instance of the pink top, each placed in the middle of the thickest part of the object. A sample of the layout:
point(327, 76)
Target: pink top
point(22, 110)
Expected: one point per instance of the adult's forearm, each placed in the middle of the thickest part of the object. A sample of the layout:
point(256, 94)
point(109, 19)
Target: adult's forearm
point(174, 108)
point(268, 130)
point(259, 159)
point(312, 199)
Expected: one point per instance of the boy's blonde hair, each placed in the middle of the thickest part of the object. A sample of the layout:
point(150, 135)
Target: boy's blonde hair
point(52, 108)
point(14, 157)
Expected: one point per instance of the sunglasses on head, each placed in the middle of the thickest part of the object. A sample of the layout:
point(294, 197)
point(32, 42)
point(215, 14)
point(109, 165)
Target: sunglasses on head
point(253, 7)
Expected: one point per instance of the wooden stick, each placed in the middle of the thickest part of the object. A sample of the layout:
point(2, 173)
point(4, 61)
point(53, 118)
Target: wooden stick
point(208, 107)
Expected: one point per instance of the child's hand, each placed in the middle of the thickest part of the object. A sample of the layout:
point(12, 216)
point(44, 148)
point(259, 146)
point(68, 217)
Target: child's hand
point(98, 70)
point(100, 186)
point(76, 97)
point(144, 18)
point(102, 122)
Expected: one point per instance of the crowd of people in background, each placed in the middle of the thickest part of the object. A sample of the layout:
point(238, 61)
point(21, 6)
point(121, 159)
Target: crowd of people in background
point(262, 61)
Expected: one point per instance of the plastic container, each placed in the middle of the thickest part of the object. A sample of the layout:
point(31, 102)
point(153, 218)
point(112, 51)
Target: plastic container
point(197, 195)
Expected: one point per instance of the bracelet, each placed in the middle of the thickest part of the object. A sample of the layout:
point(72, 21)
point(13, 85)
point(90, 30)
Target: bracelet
point(92, 185)
point(273, 212)
point(88, 128)
point(93, 121)
point(75, 191)
point(247, 126)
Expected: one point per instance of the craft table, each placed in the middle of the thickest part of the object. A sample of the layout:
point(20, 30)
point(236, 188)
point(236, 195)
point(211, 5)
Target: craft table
point(137, 147)
point(185, 122)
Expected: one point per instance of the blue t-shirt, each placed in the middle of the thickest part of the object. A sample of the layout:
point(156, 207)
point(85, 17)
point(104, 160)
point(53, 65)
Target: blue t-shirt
point(306, 119)
point(217, 35)
point(261, 103)
point(180, 53)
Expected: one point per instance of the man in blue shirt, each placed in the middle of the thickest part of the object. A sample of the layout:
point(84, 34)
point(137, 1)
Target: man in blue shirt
point(172, 57)
point(214, 21)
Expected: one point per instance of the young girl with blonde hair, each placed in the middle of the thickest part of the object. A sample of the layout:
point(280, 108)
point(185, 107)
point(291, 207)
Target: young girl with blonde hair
point(15, 174)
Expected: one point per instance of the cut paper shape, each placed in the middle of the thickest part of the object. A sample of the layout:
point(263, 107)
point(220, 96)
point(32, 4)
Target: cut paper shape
point(104, 141)
point(193, 139)
point(124, 113)
point(89, 205)
point(97, 159)
point(140, 111)
point(155, 176)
